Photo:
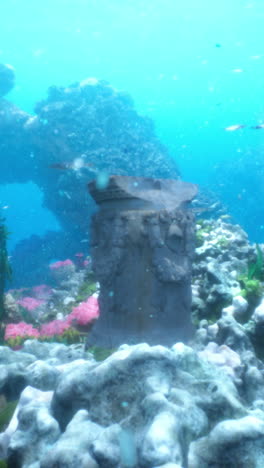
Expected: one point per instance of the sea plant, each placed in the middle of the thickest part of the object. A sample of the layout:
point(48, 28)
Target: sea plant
point(251, 280)
point(202, 229)
point(99, 353)
point(6, 412)
point(7, 409)
point(87, 288)
point(17, 334)
point(251, 288)
point(5, 269)
point(68, 336)
point(256, 269)
point(223, 242)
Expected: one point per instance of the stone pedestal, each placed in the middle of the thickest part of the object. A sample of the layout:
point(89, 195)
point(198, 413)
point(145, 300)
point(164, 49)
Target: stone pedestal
point(142, 242)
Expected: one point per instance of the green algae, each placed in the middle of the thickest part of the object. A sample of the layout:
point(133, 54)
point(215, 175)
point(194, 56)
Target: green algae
point(5, 269)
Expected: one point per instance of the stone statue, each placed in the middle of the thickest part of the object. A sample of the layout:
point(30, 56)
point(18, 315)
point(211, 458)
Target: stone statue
point(142, 245)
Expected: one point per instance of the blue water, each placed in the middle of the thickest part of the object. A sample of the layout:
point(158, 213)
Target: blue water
point(194, 67)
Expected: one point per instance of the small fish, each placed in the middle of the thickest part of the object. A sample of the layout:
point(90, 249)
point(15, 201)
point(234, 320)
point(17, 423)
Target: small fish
point(233, 128)
point(257, 127)
point(63, 193)
point(198, 211)
point(75, 165)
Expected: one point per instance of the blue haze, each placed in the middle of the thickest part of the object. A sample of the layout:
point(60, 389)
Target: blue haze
point(195, 67)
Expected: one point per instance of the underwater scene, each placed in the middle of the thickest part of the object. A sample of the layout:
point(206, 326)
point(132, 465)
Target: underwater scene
point(131, 234)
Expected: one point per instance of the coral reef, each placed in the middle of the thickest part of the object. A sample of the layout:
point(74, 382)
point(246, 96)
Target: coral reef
point(195, 406)
point(64, 312)
point(199, 405)
point(221, 257)
point(141, 407)
point(84, 131)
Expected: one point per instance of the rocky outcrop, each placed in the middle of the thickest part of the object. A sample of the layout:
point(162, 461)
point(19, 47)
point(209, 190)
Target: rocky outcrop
point(141, 407)
point(85, 131)
point(222, 255)
point(79, 132)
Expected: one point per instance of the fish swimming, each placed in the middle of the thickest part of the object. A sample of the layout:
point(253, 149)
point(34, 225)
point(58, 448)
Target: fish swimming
point(75, 165)
point(257, 127)
point(233, 128)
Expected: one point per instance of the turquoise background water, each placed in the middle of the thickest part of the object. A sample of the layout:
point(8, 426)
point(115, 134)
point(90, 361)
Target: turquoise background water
point(195, 67)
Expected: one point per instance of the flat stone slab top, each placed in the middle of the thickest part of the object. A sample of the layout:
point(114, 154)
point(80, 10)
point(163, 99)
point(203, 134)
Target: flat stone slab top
point(166, 194)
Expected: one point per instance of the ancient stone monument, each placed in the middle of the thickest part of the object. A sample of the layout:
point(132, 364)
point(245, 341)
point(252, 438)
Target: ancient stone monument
point(142, 244)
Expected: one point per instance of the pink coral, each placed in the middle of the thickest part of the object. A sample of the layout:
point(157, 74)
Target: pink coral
point(79, 254)
point(30, 303)
point(80, 260)
point(60, 264)
point(56, 327)
point(20, 329)
point(85, 312)
point(62, 270)
point(42, 291)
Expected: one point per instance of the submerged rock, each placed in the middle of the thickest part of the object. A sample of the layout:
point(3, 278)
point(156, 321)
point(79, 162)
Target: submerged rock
point(141, 407)
point(222, 256)
point(72, 448)
point(231, 443)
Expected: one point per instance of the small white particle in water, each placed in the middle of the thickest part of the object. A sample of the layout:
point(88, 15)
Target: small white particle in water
point(102, 180)
point(128, 452)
